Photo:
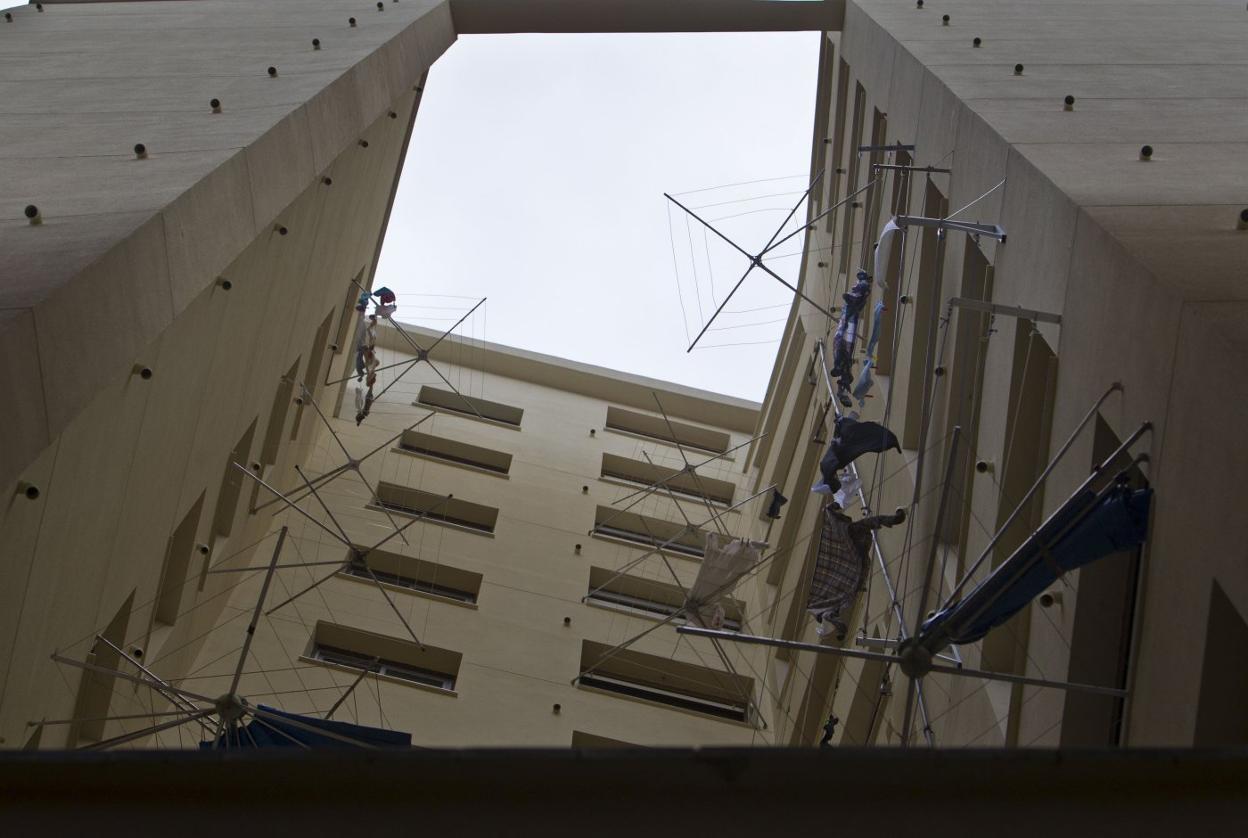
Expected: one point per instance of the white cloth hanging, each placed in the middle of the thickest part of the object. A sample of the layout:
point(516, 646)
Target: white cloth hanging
point(884, 251)
point(725, 561)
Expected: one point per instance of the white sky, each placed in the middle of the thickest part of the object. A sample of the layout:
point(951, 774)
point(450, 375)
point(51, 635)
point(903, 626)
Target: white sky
point(535, 177)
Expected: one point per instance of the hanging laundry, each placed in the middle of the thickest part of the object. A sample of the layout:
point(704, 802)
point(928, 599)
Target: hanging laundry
point(777, 500)
point(829, 730)
point(848, 493)
point(1087, 527)
point(366, 364)
point(847, 336)
point(386, 305)
point(281, 729)
point(889, 236)
point(840, 570)
point(725, 561)
point(851, 440)
point(365, 342)
point(865, 380)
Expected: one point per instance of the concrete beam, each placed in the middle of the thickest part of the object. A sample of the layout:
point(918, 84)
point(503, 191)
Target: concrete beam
point(508, 16)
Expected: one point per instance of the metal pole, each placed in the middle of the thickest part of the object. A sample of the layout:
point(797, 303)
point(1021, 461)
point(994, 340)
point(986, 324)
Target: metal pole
point(1035, 487)
point(350, 689)
point(173, 697)
point(875, 547)
point(927, 573)
point(255, 615)
point(852, 653)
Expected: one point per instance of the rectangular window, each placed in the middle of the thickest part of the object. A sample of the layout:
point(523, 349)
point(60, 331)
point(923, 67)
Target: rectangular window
point(666, 681)
point(357, 649)
point(648, 532)
point(654, 427)
point(347, 321)
point(95, 690)
point(460, 513)
point(639, 472)
point(648, 597)
point(312, 375)
point(232, 484)
point(438, 580)
point(277, 416)
point(452, 451)
point(446, 400)
point(851, 179)
point(173, 573)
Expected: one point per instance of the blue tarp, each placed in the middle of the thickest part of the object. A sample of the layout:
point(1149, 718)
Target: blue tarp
point(1088, 527)
point(265, 734)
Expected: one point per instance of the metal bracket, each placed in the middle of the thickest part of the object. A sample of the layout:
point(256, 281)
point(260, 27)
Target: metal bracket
point(991, 230)
point(929, 169)
point(893, 147)
point(1009, 311)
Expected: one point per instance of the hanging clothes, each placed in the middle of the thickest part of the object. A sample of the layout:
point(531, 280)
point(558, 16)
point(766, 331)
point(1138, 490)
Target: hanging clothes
point(847, 495)
point(777, 500)
point(851, 440)
point(725, 561)
point(280, 729)
point(889, 236)
point(865, 380)
point(386, 303)
point(366, 363)
point(829, 730)
point(1086, 528)
point(846, 337)
point(840, 570)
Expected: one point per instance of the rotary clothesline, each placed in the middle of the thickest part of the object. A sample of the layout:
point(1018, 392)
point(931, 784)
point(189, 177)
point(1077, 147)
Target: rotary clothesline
point(239, 723)
point(842, 559)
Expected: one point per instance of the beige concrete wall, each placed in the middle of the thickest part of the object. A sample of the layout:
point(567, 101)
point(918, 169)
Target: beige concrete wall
point(127, 245)
point(130, 457)
point(1094, 235)
point(519, 658)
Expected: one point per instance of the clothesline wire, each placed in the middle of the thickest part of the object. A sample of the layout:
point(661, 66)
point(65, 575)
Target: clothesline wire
point(739, 183)
point(976, 201)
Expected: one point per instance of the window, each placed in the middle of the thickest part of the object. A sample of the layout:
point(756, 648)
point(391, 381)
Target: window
point(312, 375)
point(928, 286)
point(445, 400)
point(353, 648)
point(851, 179)
point(647, 596)
point(456, 512)
point(666, 681)
point(654, 427)
point(95, 690)
point(451, 451)
point(347, 320)
point(643, 473)
point(393, 669)
point(173, 572)
point(1220, 718)
point(277, 416)
point(643, 530)
point(437, 580)
point(232, 484)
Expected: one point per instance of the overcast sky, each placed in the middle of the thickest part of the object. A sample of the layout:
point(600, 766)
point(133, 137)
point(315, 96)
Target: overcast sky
point(535, 177)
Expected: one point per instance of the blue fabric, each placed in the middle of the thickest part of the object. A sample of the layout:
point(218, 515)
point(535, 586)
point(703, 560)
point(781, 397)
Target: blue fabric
point(1085, 529)
point(256, 734)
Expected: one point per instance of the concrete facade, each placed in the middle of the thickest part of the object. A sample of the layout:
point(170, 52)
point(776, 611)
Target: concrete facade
point(1142, 259)
point(118, 477)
